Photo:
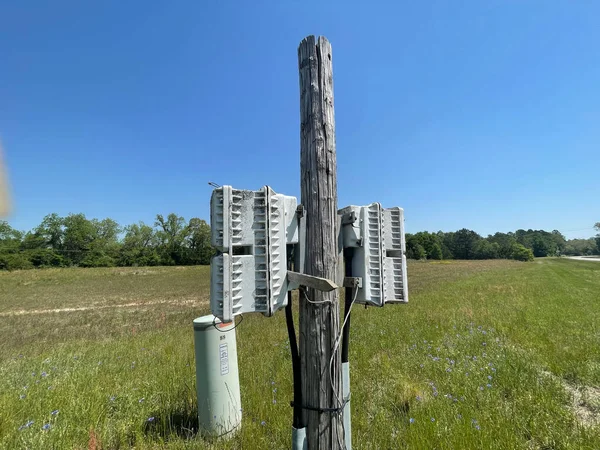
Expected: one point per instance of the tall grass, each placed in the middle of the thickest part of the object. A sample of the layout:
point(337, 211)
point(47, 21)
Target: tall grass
point(486, 355)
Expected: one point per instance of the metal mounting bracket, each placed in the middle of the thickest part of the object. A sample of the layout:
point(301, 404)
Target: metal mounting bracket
point(353, 282)
point(295, 280)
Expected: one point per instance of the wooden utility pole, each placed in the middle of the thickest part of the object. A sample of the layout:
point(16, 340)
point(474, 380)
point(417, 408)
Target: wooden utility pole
point(319, 311)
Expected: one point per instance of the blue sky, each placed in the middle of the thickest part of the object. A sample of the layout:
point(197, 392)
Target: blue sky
point(477, 114)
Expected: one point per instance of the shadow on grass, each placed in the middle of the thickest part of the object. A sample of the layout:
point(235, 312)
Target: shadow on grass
point(183, 424)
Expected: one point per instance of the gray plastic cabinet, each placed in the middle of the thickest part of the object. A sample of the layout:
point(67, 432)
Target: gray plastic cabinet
point(251, 230)
point(377, 238)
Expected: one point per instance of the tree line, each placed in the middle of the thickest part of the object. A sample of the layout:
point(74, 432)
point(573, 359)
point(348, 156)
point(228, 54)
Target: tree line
point(522, 245)
point(77, 241)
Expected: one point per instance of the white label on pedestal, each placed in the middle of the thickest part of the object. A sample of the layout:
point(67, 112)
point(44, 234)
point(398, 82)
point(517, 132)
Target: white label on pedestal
point(224, 356)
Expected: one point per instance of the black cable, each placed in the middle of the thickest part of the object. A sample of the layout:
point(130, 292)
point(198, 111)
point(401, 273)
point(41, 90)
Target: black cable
point(296, 368)
point(323, 410)
point(230, 329)
point(347, 303)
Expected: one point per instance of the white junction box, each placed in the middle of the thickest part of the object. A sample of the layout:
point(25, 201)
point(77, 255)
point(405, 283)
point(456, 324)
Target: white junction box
point(376, 236)
point(251, 229)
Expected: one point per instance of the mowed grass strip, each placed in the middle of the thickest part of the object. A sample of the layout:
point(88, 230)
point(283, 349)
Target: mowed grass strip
point(41, 290)
point(486, 355)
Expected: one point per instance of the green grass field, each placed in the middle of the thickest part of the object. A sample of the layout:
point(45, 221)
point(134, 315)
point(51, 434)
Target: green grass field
point(488, 354)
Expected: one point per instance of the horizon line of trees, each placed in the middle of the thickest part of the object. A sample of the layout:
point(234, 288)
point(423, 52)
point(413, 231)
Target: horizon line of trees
point(522, 245)
point(75, 241)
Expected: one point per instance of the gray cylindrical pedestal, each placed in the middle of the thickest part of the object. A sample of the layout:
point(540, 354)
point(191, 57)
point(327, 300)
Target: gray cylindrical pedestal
point(217, 377)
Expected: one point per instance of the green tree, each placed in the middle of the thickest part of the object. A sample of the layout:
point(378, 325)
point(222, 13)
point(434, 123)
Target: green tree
point(446, 244)
point(559, 240)
point(10, 242)
point(505, 243)
point(171, 235)
point(464, 244)
point(139, 246)
point(436, 252)
point(44, 257)
point(198, 242)
point(33, 240)
point(486, 250)
point(10, 239)
point(78, 238)
point(14, 261)
point(36, 249)
point(414, 250)
point(539, 246)
point(432, 244)
point(579, 247)
point(597, 227)
point(522, 253)
point(104, 249)
point(52, 230)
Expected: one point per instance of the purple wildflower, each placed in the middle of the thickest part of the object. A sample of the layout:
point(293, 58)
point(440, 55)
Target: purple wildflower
point(27, 425)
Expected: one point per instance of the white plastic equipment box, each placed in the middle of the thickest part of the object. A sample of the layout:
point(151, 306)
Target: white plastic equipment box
point(377, 237)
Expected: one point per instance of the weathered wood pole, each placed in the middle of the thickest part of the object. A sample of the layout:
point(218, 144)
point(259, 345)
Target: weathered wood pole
point(319, 311)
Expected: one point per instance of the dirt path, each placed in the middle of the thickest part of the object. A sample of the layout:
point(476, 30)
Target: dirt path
point(25, 312)
point(584, 258)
